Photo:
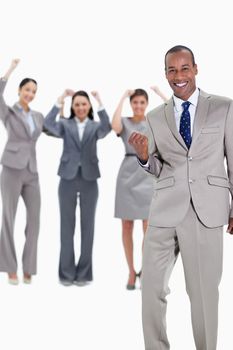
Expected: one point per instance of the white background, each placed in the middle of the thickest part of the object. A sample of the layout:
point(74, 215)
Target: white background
point(109, 46)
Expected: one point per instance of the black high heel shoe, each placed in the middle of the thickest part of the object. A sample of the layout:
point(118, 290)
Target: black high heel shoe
point(131, 286)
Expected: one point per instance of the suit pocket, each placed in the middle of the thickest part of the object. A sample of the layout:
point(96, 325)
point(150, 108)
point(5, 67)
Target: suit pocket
point(210, 130)
point(12, 147)
point(218, 181)
point(165, 183)
point(65, 158)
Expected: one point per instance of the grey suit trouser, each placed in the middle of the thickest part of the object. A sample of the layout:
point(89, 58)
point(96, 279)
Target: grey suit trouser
point(69, 191)
point(201, 251)
point(16, 183)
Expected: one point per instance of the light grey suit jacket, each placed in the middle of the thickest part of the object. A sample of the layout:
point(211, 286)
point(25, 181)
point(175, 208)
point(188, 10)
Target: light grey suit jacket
point(197, 174)
point(20, 147)
point(75, 152)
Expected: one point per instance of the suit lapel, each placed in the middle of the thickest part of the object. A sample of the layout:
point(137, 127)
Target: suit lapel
point(37, 125)
point(200, 116)
point(72, 125)
point(87, 132)
point(169, 113)
point(20, 116)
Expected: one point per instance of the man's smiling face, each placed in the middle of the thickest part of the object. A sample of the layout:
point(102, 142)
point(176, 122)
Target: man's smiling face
point(181, 73)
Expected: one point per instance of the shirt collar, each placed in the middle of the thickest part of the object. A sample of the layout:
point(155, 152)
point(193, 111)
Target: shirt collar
point(18, 105)
point(81, 123)
point(193, 99)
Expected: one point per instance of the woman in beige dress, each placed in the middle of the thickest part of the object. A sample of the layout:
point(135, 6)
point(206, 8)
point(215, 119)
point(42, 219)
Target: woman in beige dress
point(134, 186)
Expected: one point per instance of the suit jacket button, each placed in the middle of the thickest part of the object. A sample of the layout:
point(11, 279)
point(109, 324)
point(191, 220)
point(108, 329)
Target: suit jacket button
point(191, 181)
point(190, 158)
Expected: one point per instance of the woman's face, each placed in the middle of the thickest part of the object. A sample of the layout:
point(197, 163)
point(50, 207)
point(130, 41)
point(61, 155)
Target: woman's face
point(27, 93)
point(81, 107)
point(139, 105)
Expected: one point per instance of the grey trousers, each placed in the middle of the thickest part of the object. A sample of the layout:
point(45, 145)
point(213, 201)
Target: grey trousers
point(16, 183)
point(69, 190)
point(201, 251)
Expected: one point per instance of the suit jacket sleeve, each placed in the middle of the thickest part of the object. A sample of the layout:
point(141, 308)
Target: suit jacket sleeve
point(104, 125)
point(3, 107)
point(51, 126)
point(229, 150)
point(155, 162)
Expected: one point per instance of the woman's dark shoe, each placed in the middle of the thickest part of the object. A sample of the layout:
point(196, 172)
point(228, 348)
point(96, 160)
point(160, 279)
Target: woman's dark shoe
point(66, 283)
point(130, 286)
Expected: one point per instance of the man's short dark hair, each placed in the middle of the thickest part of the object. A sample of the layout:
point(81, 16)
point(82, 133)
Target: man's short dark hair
point(178, 48)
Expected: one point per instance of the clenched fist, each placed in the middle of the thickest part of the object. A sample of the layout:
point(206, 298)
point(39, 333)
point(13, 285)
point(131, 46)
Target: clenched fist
point(140, 144)
point(96, 95)
point(15, 63)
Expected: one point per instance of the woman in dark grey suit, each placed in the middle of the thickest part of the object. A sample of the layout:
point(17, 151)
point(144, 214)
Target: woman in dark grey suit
point(79, 172)
point(19, 177)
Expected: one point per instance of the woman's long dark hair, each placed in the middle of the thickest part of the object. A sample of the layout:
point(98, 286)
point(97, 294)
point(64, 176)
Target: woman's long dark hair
point(84, 94)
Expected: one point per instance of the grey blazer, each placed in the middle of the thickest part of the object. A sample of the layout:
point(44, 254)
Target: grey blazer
point(198, 173)
point(76, 152)
point(20, 147)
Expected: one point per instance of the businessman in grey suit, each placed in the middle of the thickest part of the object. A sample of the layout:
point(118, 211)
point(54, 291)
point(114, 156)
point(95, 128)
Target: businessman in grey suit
point(79, 172)
point(189, 137)
point(20, 177)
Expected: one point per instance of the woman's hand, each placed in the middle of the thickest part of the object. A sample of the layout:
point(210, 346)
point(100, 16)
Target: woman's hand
point(128, 93)
point(66, 93)
point(12, 67)
point(96, 95)
point(155, 88)
point(14, 63)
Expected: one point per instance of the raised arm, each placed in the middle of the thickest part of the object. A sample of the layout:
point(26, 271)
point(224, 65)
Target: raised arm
point(104, 124)
point(62, 114)
point(3, 81)
point(55, 128)
point(116, 120)
point(159, 93)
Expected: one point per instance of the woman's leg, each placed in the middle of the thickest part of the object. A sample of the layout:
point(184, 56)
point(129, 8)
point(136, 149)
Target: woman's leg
point(31, 197)
point(68, 202)
point(11, 185)
point(88, 201)
point(127, 238)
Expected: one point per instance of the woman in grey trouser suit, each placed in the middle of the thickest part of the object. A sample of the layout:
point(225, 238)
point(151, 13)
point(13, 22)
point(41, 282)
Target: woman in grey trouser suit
point(19, 177)
point(79, 172)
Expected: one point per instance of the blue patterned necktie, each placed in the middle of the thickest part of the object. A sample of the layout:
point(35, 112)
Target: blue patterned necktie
point(185, 124)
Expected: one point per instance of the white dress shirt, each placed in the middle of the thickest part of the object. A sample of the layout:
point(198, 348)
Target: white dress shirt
point(178, 109)
point(81, 126)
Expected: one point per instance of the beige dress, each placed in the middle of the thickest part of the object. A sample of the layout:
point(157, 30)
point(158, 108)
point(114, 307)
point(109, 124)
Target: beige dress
point(134, 185)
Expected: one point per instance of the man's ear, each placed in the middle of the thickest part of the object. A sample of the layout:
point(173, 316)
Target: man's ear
point(196, 69)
